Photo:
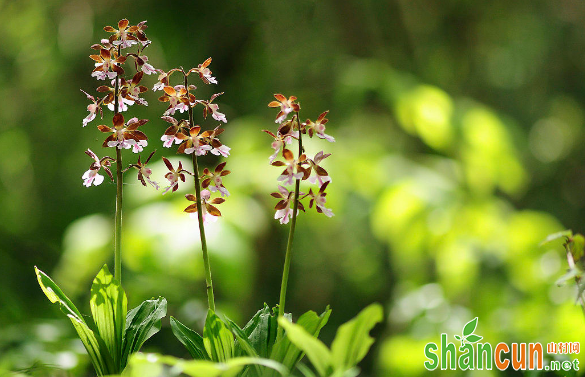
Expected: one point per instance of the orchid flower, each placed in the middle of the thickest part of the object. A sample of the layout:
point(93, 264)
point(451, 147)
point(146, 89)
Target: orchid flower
point(210, 213)
point(92, 175)
point(213, 180)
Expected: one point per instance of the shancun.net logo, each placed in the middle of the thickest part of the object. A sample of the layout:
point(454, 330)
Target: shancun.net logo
point(473, 355)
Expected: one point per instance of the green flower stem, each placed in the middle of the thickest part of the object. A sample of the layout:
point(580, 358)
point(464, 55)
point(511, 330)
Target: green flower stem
point(291, 234)
point(118, 218)
point(118, 222)
point(206, 264)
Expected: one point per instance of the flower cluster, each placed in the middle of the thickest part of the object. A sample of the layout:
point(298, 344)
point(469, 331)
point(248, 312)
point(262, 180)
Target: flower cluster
point(118, 96)
point(299, 168)
point(193, 140)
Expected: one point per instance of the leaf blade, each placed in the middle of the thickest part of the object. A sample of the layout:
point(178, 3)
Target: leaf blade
point(109, 307)
point(93, 343)
point(315, 350)
point(190, 339)
point(352, 341)
point(142, 322)
point(217, 338)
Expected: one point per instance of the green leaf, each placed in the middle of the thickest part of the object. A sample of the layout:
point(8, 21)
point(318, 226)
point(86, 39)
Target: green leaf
point(241, 338)
point(242, 346)
point(93, 343)
point(288, 353)
point(315, 350)
point(190, 339)
point(352, 341)
point(470, 327)
point(555, 236)
point(95, 347)
point(473, 338)
point(261, 331)
point(305, 370)
point(141, 364)
point(142, 322)
point(218, 339)
point(56, 295)
point(108, 307)
point(457, 337)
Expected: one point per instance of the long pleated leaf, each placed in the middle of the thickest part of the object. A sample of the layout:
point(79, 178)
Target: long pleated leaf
point(288, 353)
point(93, 343)
point(243, 346)
point(316, 351)
point(218, 339)
point(108, 307)
point(150, 365)
point(352, 341)
point(142, 322)
point(261, 331)
point(190, 339)
point(95, 347)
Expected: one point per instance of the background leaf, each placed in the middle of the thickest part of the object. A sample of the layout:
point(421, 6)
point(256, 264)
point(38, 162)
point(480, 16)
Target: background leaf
point(352, 340)
point(142, 363)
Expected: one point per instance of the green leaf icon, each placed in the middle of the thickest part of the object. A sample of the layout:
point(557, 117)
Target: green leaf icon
point(473, 338)
point(470, 327)
point(457, 337)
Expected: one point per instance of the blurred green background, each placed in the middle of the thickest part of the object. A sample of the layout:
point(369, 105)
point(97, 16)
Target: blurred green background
point(459, 128)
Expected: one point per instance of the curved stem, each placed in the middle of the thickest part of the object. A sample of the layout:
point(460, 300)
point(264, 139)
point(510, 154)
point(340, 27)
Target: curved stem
point(119, 181)
point(206, 264)
point(291, 234)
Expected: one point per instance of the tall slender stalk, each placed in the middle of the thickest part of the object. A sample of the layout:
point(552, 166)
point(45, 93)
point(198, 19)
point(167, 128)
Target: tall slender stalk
point(206, 264)
point(291, 234)
point(119, 181)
